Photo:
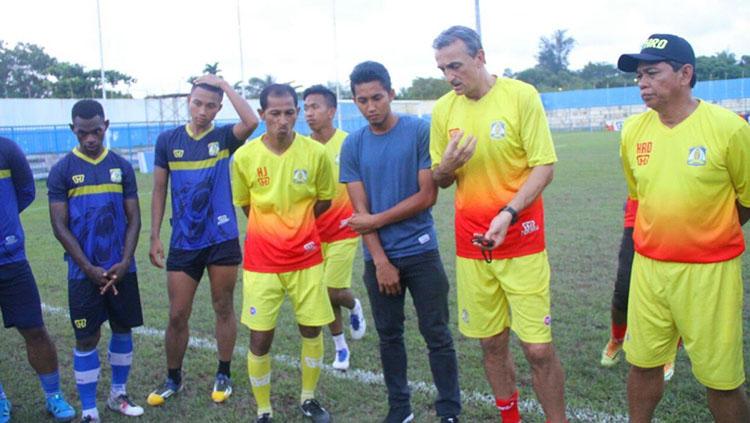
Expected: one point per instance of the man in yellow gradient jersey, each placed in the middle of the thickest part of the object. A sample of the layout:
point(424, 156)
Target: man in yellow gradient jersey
point(338, 240)
point(687, 163)
point(283, 181)
point(501, 168)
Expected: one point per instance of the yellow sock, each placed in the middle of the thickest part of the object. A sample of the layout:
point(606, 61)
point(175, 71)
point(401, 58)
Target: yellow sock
point(259, 369)
point(311, 361)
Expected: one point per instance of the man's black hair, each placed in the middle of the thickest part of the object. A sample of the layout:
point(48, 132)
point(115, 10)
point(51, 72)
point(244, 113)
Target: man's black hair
point(86, 109)
point(276, 90)
point(370, 71)
point(327, 94)
point(208, 87)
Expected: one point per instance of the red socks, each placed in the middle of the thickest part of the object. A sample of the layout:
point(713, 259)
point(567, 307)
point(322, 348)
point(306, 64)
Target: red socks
point(509, 408)
point(618, 332)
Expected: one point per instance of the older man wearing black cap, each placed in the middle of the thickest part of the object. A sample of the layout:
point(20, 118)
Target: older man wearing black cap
point(687, 162)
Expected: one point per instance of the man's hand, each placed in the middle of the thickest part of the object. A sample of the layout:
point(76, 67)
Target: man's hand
point(363, 223)
point(115, 274)
point(96, 274)
point(498, 229)
point(156, 253)
point(211, 79)
point(388, 278)
point(456, 156)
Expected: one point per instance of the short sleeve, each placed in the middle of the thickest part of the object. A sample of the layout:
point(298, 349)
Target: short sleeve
point(21, 174)
point(626, 169)
point(240, 186)
point(738, 164)
point(129, 183)
point(231, 142)
point(326, 183)
point(423, 144)
point(349, 159)
point(57, 190)
point(535, 134)
point(438, 136)
point(161, 157)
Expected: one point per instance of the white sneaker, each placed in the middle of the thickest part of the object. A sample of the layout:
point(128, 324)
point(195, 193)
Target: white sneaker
point(341, 361)
point(357, 323)
point(123, 405)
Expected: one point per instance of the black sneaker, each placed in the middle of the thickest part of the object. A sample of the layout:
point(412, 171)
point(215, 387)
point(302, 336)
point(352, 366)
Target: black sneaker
point(449, 419)
point(399, 415)
point(311, 408)
point(264, 418)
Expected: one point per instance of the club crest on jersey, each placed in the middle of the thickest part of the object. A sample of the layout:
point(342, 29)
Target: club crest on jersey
point(178, 153)
point(115, 175)
point(213, 149)
point(78, 179)
point(697, 156)
point(299, 176)
point(497, 130)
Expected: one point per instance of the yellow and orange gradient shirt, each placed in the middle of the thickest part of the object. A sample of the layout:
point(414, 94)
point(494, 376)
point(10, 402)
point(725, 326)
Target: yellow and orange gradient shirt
point(332, 224)
point(280, 191)
point(687, 180)
point(512, 137)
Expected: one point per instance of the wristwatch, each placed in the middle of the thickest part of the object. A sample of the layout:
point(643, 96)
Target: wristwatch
point(513, 213)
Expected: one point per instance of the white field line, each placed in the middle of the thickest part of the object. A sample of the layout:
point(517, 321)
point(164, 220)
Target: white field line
point(370, 378)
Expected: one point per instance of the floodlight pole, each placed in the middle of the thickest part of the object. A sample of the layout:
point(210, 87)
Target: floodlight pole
point(101, 50)
point(478, 18)
point(336, 65)
point(242, 61)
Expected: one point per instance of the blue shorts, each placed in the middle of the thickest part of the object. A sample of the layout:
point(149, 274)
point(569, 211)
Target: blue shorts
point(19, 297)
point(89, 309)
point(194, 262)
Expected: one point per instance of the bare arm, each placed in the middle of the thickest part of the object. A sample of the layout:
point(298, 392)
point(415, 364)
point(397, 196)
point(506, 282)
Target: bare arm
point(744, 213)
point(320, 207)
point(539, 178)
point(386, 274)
point(58, 212)
point(363, 222)
point(158, 203)
point(248, 118)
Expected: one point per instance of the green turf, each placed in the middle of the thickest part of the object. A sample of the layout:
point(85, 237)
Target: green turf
point(583, 225)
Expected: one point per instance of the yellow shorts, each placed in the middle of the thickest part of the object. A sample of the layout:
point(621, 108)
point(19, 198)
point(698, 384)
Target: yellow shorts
point(338, 259)
point(488, 292)
point(263, 294)
point(702, 303)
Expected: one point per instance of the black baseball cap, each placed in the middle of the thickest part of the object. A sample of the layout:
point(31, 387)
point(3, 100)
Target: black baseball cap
point(658, 48)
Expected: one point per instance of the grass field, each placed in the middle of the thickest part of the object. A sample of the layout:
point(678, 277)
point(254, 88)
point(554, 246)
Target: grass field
point(583, 224)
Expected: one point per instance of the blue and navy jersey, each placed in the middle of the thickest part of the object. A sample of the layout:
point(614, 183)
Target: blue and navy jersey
point(16, 193)
point(202, 209)
point(95, 190)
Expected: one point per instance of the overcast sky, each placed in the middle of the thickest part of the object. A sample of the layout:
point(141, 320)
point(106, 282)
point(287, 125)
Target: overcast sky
point(162, 43)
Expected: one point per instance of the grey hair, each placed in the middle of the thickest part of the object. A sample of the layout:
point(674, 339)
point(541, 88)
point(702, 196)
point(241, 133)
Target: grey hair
point(467, 35)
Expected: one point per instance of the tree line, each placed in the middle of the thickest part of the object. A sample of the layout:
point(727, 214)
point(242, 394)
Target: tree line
point(27, 71)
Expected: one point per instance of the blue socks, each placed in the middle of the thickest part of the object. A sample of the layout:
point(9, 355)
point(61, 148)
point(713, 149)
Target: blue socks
point(87, 367)
point(120, 358)
point(50, 383)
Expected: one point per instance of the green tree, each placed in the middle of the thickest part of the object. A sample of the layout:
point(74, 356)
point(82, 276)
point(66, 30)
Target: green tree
point(27, 71)
point(425, 89)
point(554, 51)
point(603, 75)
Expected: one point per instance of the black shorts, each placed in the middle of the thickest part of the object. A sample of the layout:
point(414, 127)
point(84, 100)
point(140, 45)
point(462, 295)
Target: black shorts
point(194, 262)
point(89, 309)
point(19, 296)
point(624, 265)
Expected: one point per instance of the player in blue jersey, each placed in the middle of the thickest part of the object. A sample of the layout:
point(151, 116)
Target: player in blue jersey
point(19, 297)
point(93, 204)
point(204, 226)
